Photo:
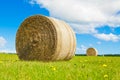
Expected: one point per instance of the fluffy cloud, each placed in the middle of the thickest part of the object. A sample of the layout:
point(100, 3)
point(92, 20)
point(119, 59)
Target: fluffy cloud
point(82, 11)
point(108, 37)
point(83, 29)
point(84, 16)
point(98, 42)
point(2, 41)
point(81, 49)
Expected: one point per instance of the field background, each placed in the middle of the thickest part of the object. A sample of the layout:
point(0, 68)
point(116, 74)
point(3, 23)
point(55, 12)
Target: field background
point(78, 68)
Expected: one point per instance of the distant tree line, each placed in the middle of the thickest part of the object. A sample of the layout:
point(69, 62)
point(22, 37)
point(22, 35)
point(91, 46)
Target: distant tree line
point(99, 55)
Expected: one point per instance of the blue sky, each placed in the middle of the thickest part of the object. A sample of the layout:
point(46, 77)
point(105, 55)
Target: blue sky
point(95, 26)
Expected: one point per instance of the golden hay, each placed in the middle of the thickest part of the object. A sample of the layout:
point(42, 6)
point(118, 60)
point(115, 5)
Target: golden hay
point(45, 39)
point(91, 52)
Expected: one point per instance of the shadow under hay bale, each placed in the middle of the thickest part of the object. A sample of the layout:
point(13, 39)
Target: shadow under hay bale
point(45, 39)
point(91, 52)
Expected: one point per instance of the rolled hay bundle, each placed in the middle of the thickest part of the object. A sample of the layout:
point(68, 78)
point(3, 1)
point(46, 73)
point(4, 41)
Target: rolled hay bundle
point(91, 52)
point(45, 39)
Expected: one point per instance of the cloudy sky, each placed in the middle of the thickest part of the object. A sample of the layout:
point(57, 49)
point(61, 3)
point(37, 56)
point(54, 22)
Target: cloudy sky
point(96, 23)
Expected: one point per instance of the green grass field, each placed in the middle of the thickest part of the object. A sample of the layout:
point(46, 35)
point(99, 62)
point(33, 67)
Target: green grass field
point(78, 68)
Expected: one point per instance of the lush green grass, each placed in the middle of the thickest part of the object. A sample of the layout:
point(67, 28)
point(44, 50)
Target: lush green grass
point(79, 68)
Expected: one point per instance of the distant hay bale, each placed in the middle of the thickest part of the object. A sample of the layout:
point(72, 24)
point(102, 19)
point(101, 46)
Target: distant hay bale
point(91, 52)
point(45, 39)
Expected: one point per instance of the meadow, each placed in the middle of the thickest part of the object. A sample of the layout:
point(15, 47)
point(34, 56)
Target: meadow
point(78, 68)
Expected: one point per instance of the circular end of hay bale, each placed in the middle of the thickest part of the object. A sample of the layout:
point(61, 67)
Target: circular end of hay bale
point(36, 39)
point(91, 52)
point(45, 39)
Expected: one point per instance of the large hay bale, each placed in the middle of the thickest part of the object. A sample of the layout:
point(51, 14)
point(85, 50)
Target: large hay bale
point(45, 39)
point(91, 52)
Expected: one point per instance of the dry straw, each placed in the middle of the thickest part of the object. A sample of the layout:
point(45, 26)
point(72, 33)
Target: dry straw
point(91, 52)
point(45, 39)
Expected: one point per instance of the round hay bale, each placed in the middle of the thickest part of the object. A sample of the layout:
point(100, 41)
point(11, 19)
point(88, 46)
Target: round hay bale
point(91, 52)
point(45, 39)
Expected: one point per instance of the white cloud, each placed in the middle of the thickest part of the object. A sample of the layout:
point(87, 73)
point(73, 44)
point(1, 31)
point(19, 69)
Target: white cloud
point(83, 29)
point(81, 49)
point(108, 37)
point(99, 42)
point(2, 41)
point(90, 45)
point(85, 16)
point(82, 11)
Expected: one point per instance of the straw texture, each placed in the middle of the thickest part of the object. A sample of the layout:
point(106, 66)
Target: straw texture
point(91, 52)
point(45, 39)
